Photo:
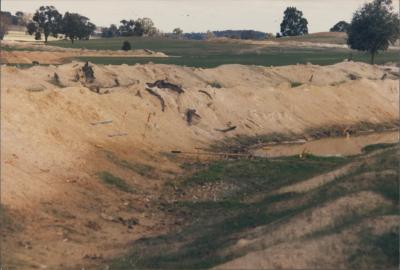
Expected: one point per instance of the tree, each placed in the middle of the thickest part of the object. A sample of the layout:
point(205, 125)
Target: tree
point(341, 26)
point(144, 27)
point(38, 36)
point(4, 25)
point(177, 32)
point(126, 46)
point(47, 20)
point(293, 23)
point(31, 28)
point(139, 28)
point(127, 28)
point(109, 32)
point(374, 27)
point(76, 26)
point(210, 35)
point(269, 35)
point(21, 18)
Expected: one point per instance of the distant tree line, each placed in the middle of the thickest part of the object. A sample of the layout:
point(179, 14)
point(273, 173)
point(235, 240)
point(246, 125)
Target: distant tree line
point(47, 21)
point(7, 20)
point(241, 34)
point(19, 19)
point(234, 34)
point(373, 27)
point(140, 27)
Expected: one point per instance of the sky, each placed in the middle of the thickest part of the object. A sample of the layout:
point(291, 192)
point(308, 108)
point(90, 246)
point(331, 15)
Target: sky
point(202, 15)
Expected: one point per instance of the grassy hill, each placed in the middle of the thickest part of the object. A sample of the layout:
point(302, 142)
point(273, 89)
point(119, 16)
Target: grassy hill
point(323, 37)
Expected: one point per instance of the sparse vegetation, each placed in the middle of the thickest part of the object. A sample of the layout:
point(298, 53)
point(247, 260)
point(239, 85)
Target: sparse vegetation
point(338, 83)
point(7, 222)
point(215, 84)
point(295, 84)
point(200, 242)
point(374, 147)
point(36, 88)
point(376, 250)
point(114, 181)
point(139, 168)
point(241, 143)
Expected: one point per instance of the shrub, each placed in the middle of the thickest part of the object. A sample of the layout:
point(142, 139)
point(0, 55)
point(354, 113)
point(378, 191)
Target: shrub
point(215, 84)
point(126, 46)
point(295, 84)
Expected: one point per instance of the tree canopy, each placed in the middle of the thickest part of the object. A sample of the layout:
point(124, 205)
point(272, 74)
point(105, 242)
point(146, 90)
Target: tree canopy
point(374, 27)
point(139, 27)
point(19, 19)
point(46, 21)
point(4, 25)
point(127, 28)
point(177, 32)
point(111, 31)
point(293, 23)
point(341, 26)
point(76, 26)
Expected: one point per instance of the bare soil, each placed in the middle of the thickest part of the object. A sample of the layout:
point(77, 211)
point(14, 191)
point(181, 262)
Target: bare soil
point(61, 136)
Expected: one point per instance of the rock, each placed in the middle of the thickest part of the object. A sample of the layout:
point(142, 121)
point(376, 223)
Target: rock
point(107, 217)
point(93, 225)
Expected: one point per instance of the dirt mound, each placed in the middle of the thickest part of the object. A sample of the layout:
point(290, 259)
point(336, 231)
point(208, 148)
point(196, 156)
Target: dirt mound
point(330, 251)
point(327, 251)
point(59, 57)
point(73, 146)
point(40, 53)
point(255, 99)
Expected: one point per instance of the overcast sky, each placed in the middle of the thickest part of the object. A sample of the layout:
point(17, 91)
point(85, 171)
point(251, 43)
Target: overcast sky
point(201, 15)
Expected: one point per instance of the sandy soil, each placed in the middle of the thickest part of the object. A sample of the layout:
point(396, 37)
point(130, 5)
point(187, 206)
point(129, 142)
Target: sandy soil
point(56, 55)
point(21, 35)
point(54, 147)
point(28, 57)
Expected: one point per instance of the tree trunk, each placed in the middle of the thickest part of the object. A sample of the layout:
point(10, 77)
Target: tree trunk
point(72, 40)
point(373, 54)
point(45, 38)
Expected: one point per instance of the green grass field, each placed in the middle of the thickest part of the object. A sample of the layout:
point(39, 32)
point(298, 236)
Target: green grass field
point(208, 54)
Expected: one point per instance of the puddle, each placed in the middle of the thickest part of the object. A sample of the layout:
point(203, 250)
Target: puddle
point(338, 146)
